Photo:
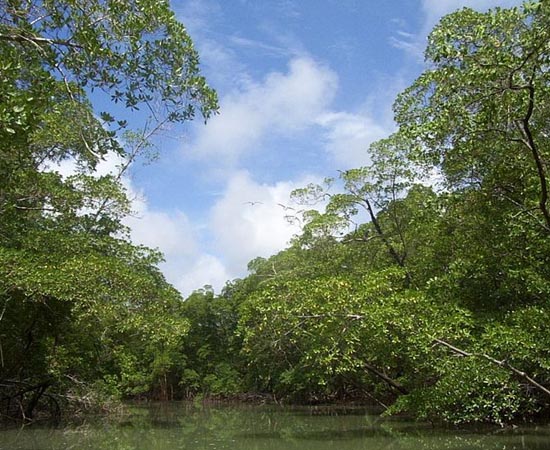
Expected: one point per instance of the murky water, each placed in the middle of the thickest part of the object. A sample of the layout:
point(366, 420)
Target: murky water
point(188, 426)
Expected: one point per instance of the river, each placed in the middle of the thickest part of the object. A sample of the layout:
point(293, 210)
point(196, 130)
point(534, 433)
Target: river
point(238, 427)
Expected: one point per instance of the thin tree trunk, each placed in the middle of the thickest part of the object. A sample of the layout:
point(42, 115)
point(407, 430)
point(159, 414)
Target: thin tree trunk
point(400, 260)
point(529, 142)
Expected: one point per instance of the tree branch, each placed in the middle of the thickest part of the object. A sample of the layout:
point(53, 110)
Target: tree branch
point(501, 363)
point(38, 40)
point(529, 141)
point(387, 379)
point(399, 259)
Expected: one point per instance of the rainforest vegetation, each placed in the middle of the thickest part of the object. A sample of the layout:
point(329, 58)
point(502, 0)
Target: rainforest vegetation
point(423, 285)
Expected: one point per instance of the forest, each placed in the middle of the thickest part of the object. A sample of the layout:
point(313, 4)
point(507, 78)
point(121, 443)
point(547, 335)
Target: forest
point(423, 286)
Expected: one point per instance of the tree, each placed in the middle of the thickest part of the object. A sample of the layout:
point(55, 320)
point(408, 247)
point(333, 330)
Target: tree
point(211, 348)
point(370, 189)
point(488, 82)
point(461, 340)
point(83, 311)
point(136, 51)
point(478, 116)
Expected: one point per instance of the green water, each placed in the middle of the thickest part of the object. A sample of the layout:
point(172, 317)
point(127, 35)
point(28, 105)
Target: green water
point(187, 426)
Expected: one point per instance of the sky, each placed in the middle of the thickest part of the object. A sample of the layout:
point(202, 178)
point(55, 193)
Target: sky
point(304, 87)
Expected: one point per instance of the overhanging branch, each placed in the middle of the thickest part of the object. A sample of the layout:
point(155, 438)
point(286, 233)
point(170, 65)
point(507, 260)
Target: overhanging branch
point(501, 363)
point(37, 40)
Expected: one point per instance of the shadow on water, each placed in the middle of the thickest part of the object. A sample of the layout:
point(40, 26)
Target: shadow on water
point(189, 426)
point(321, 435)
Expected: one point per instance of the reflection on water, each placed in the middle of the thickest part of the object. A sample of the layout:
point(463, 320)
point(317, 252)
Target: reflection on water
point(187, 426)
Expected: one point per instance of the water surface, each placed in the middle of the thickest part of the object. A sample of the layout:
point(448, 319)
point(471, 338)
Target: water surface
point(239, 427)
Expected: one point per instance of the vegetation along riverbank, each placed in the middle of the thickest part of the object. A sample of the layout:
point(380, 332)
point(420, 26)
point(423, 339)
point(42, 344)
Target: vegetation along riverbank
point(422, 285)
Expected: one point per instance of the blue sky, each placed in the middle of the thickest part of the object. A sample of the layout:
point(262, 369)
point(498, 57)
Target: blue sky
point(305, 86)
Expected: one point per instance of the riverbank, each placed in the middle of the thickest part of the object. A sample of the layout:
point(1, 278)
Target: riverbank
point(194, 425)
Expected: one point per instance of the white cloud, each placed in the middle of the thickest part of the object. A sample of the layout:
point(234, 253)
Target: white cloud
point(110, 164)
point(249, 220)
point(171, 233)
point(258, 46)
point(198, 14)
point(348, 137)
point(205, 270)
point(187, 265)
point(214, 55)
point(282, 103)
point(176, 237)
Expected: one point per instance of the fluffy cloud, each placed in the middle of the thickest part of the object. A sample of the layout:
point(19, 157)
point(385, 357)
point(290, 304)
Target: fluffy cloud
point(176, 237)
point(285, 103)
point(348, 137)
point(282, 103)
point(110, 164)
point(205, 270)
point(187, 266)
point(249, 220)
point(171, 233)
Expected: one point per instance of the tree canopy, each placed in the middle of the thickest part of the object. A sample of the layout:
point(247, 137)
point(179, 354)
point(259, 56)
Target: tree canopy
point(84, 313)
point(426, 297)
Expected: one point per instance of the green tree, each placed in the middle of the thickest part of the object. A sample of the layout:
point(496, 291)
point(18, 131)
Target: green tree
point(211, 348)
point(487, 83)
point(478, 117)
point(136, 51)
point(459, 338)
point(82, 310)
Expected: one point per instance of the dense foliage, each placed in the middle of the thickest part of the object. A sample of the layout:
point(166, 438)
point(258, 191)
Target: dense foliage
point(424, 285)
point(84, 313)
